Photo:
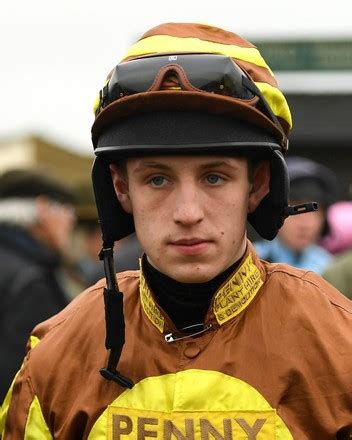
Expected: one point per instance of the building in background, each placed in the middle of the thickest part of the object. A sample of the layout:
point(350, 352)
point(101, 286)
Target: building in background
point(316, 77)
point(32, 152)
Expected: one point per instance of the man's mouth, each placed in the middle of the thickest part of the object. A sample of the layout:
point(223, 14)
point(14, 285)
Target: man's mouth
point(189, 241)
point(191, 246)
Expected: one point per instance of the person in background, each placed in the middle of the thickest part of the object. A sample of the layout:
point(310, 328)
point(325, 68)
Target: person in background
point(297, 242)
point(86, 263)
point(36, 220)
point(339, 242)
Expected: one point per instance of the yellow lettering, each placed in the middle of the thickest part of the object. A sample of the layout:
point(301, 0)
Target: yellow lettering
point(251, 431)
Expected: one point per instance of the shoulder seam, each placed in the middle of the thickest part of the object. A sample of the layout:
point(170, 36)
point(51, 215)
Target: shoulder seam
point(277, 270)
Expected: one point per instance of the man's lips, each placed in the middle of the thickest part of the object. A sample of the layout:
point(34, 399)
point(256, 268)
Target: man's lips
point(189, 241)
point(191, 246)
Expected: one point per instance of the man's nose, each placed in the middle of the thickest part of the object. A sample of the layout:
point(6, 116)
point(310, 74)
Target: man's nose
point(188, 207)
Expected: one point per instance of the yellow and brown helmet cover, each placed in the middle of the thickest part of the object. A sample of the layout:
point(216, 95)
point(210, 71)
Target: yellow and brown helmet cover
point(188, 38)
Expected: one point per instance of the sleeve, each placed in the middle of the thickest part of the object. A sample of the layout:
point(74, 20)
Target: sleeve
point(21, 414)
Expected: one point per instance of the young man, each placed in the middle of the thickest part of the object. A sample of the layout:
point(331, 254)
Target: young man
point(210, 342)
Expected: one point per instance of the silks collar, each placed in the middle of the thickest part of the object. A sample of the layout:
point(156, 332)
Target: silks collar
point(229, 300)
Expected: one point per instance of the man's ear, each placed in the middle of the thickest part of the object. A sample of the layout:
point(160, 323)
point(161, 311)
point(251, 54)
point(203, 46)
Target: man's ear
point(260, 185)
point(121, 188)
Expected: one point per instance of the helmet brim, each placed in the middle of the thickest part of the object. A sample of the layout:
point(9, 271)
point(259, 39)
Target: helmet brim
point(181, 101)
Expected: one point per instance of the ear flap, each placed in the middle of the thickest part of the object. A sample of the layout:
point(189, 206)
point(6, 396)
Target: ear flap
point(114, 221)
point(269, 216)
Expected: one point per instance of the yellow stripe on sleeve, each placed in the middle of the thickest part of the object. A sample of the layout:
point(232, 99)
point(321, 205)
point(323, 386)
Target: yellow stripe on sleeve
point(36, 427)
point(33, 341)
point(5, 407)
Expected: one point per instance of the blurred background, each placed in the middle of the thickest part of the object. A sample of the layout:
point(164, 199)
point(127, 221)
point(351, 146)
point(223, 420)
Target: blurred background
point(55, 57)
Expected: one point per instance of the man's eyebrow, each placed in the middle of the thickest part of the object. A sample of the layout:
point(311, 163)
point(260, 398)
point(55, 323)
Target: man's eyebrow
point(145, 165)
point(202, 167)
point(214, 164)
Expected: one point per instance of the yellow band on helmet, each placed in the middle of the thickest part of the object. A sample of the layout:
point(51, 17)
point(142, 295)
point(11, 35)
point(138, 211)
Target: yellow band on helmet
point(166, 39)
point(166, 44)
point(275, 98)
point(96, 104)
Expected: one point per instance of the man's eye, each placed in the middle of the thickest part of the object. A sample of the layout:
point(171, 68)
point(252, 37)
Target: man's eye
point(158, 181)
point(213, 179)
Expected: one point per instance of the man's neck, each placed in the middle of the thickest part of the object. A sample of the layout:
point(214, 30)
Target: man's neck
point(185, 303)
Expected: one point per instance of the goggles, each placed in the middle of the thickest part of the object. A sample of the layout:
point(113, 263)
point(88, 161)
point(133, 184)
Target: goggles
point(196, 72)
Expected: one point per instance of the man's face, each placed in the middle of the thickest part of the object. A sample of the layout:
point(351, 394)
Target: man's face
point(303, 230)
point(55, 223)
point(189, 212)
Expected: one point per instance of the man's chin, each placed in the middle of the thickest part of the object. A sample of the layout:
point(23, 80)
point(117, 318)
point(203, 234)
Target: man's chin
point(192, 275)
point(189, 270)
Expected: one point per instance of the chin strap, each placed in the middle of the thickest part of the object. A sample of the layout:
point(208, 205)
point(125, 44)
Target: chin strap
point(301, 209)
point(114, 319)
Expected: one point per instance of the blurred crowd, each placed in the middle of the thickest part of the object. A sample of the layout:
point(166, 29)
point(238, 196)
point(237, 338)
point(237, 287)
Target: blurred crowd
point(321, 240)
point(49, 249)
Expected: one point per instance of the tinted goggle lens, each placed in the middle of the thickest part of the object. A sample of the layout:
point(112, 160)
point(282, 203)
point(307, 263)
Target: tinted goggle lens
point(210, 73)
